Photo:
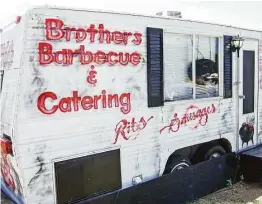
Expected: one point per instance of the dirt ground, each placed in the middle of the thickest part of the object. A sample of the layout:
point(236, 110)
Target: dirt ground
point(4, 200)
point(238, 193)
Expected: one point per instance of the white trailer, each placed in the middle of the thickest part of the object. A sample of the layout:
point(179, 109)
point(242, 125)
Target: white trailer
point(95, 101)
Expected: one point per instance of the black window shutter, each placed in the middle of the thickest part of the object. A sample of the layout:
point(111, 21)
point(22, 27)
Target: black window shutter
point(227, 67)
point(155, 67)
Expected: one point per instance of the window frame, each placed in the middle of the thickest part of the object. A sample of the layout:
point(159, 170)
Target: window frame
point(220, 67)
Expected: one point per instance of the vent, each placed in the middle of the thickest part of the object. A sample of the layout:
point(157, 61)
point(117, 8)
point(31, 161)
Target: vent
point(175, 14)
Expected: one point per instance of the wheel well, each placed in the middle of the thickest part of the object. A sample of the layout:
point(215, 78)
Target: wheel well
point(225, 144)
point(191, 151)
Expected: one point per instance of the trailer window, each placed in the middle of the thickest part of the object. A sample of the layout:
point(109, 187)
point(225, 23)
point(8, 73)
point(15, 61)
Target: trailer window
point(206, 67)
point(190, 75)
point(178, 54)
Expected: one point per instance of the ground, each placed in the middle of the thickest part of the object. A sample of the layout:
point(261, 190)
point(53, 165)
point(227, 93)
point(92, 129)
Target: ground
point(4, 200)
point(238, 193)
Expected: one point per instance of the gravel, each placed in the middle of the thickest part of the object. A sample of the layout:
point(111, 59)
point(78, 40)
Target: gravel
point(238, 193)
point(5, 200)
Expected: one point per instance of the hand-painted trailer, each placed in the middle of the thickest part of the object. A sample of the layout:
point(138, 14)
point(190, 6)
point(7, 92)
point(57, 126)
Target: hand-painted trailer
point(96, 101)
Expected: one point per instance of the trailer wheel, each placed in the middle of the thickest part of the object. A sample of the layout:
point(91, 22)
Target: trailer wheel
point(208, 153)
point(176, 163)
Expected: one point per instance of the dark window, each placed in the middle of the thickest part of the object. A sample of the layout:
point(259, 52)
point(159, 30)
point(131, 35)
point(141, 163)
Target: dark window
point(87, 176)
point(248, 81)
point(155, 67)
point(227, 67)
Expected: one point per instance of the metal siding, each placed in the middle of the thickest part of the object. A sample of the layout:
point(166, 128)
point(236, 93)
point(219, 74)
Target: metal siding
point(12, 35)
point(260, 92)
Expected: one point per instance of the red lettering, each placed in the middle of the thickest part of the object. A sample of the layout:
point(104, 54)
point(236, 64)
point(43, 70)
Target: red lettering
point(50, 34)
point(110, 100)
point(61, 54)
point(6, 172)
point(134, 125)
point(120, 130)
point(75, 100)
point(208, 110)
point(92, 32)
point(86, 57)
point(213, 108)
point(144, 123)
point(175, 124)
point(70, 55)
point(138, 39)
point(55, 30)
point(184, 120)
point(117, 37)
point(126, 35)
point(102, 34)
point(135, 58)
point(125, 102)
point(96, 99)
point(45, 53)
point(123, 60)
point(80, 35)
point(108, 36)
point(66, 56)
point(65, 105)
point(123, 128)
point(104, 98)
point(201, 115)
point(68, 33)
point(109, 58)
point(87, 102)
point(100, 57)
point(41, 103)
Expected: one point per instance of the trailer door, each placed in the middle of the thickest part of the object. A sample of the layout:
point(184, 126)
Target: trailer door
point(248, 94)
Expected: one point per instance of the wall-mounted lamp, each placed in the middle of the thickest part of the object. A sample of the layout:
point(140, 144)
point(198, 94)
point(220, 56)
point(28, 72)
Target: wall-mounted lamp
point(236, 44)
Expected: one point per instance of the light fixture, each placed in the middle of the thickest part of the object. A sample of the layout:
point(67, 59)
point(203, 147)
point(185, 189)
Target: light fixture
point(236, 44)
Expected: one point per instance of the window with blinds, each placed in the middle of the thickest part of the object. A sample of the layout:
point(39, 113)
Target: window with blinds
point(184, 67)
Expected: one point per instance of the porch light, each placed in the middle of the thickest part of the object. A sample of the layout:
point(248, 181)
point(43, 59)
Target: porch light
point(237, 43)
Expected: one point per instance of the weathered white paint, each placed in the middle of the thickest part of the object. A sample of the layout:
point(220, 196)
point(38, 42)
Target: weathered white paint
point(11, 56)
point(260, 92)
point(42, 139)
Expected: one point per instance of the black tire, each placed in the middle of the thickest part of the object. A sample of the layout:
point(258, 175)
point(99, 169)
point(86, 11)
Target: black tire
point(176, 163)
point(209, 152)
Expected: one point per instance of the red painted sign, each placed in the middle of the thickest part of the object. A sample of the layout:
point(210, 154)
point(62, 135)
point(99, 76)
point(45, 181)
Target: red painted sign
point(66, 56)
point(69, 104)
point(193, 114)
point(6, 172)
point(55, 30)
point(7, 54)
point(124, 128)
